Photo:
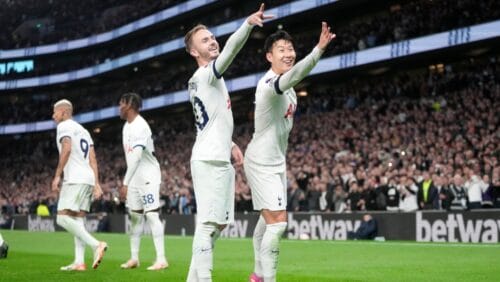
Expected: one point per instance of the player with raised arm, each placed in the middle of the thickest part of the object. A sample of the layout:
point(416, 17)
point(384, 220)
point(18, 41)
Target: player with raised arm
point(142, 182)
point(265, 162)
point(81, 179)
point(211, 169)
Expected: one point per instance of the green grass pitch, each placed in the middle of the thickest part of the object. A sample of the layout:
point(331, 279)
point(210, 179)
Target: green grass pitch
point(37, 256)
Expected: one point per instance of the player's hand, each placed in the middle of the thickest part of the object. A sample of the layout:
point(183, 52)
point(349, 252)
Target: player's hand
point(237, 155)
point(97, 191)
point(325, 37)
point(55, 184)
point(123, 192)
point(258, 17)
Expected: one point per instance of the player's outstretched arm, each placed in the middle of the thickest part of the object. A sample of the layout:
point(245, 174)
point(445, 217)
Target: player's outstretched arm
point(302, 68)
point(236, 41)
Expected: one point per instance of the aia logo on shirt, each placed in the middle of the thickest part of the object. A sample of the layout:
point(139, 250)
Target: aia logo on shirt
point(291, 111)
point(228, 103)
point(127, 148)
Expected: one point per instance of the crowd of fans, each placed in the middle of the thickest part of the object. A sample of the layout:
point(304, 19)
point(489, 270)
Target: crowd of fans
point(62, 20)
point(407, 21)
point(400, 22)
point(399, 142)
point(173, 77)
point(159, 34)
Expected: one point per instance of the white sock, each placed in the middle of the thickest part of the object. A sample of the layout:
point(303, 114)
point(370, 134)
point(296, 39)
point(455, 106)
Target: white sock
point(136, 228)
point(192, 276)
point(203, 250)
point(72, 226)
point(269, 250)
point(258, 233)
point(79, 244)
point(158, 233)
point(1, 239)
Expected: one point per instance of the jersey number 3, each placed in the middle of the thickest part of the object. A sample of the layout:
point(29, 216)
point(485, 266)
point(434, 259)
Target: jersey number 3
point(200, 113)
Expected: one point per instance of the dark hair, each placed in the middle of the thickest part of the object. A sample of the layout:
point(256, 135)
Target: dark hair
point(278, 35)
point(133, 99)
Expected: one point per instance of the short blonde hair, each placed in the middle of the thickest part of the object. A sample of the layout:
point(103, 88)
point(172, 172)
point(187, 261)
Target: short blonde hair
point(189, 36)
point(64, 103)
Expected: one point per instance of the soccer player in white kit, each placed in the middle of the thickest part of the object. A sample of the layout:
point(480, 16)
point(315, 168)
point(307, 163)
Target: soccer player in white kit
point(81, 179)
point(265, 163)
point(211, 169)
point(142, 182)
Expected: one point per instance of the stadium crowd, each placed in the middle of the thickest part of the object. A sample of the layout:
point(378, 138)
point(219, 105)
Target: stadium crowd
point(57, 21)
point(399, 142)
point(399, 22)
point(409, 18)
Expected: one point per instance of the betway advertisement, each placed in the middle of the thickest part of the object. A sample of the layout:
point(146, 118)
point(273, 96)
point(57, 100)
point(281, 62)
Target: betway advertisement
point(472, 227)
point(434, 226)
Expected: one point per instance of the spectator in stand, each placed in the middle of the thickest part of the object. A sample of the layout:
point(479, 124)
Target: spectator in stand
point(427, 194)
point(474, 187)
point(338, 203)
point(392, 195)
point(408, 191)
point(496, 190)
point(445, 194)
point(43, 209)
point(487, 195)
point(355, 197)
point(458, 194)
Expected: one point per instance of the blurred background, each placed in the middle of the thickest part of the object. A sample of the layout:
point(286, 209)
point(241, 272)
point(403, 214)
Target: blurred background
point(408, 92)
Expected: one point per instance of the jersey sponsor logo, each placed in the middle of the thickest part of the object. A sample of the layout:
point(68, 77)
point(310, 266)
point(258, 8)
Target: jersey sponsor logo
point(228, 103)
point(200, 114)
point(127, 148)
point(291, 111)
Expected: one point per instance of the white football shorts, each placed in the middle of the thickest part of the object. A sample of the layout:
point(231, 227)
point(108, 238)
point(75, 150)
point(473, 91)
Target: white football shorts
point(268, 186)
point(144, 198)
point(213, 183)
point(75, 197)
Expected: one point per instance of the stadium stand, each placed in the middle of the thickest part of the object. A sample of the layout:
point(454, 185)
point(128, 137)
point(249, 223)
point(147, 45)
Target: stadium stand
point(355, 138)
point(165, 77)
point(362, 131)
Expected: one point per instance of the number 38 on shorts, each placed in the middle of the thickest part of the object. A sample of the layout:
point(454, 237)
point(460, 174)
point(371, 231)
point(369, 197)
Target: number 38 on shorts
point(148, 199)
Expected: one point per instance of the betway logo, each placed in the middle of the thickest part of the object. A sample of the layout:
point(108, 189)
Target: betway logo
point(237, 229)
point(39, 224)
point(317, 228)
point(472, 230)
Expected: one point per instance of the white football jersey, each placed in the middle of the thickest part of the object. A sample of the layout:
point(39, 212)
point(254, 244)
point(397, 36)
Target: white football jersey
point(213, 116)
point(275, 105)
point(273, 122)
point(138, 134)
point(77, 170)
